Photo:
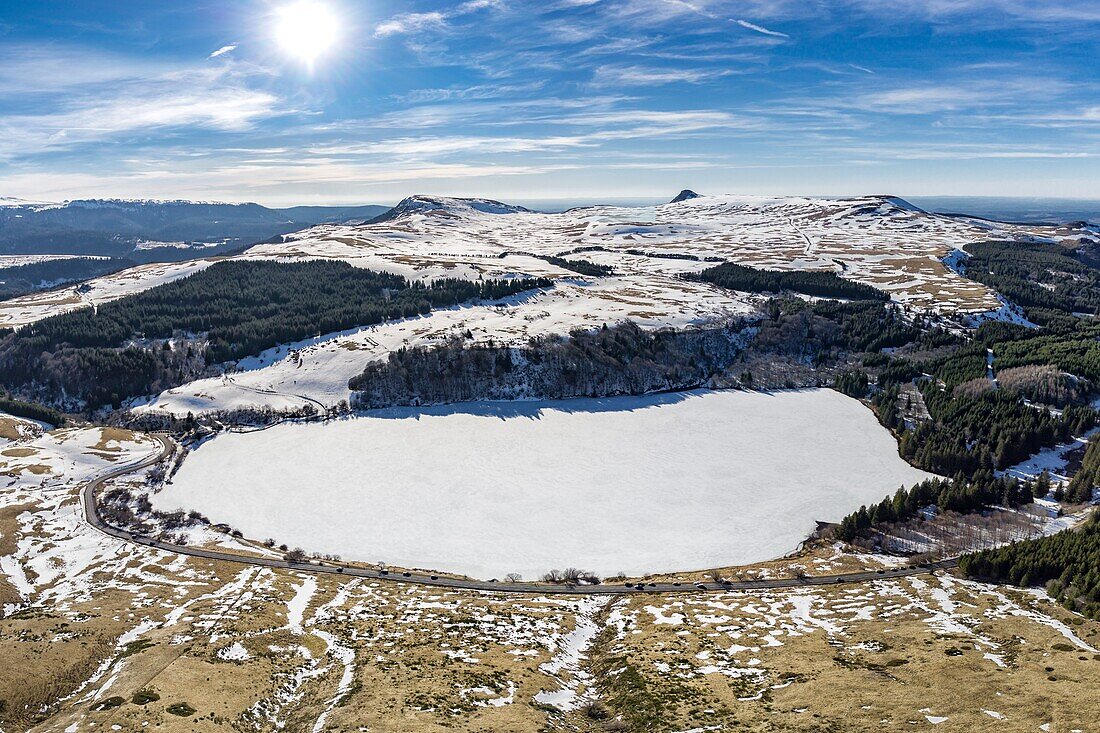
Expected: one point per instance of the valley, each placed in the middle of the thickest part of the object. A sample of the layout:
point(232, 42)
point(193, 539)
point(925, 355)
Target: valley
point(573, 475)
point(597, 366)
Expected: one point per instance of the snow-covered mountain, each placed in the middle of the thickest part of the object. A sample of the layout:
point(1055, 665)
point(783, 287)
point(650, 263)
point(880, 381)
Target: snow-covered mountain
point(883, 241)
point(445, 205)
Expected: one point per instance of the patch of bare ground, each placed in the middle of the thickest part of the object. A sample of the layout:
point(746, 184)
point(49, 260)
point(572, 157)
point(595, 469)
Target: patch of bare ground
point(256, 649)
point(884, 656)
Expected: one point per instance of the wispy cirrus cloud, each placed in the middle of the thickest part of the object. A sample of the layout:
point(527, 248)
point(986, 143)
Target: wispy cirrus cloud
point(986, 11)
point(411, 23)
point(953, 96)
point(974, 151)
point(588, 130)
point(104, 99)
point(453, 94)
point(34, 69)
point(632, 76)
point(760, 29)
point(223, 51)
point(477, 91)
point(227, 109)
point(407, 23)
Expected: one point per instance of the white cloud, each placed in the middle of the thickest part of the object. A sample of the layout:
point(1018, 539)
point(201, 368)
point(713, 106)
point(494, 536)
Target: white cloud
point(479, 91)
point(411, 23)
point(40, 69)
point(407, 23)
point(617, 75)
point(223, 50)
point(760, 29)
point(288, 181)
point(942, 151)
point(917, 100)
point(968, 94)
point(471, 6)
point(210, 97)
point(592, 131)
point(434, 146)
point(1049, 11)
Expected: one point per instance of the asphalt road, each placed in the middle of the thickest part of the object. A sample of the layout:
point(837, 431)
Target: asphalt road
point(91, 515)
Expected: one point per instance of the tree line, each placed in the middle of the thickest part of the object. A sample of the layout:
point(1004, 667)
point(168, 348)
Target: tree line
point(35, 276)
point(30, 410)
point(818, 283)
point(1039, 277)
point(581, 267)
point(961, 494)
point(612, 360)
point(233, 309)
point(1068, 563)
point(1087, 477)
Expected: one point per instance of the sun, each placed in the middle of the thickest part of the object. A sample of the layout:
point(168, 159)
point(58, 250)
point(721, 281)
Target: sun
point(306, 30)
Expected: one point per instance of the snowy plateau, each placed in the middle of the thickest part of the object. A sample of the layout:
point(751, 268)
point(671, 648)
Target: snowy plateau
point(881, 241)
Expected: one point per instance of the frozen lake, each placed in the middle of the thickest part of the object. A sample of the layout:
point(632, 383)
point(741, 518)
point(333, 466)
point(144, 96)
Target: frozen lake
point(631, 484)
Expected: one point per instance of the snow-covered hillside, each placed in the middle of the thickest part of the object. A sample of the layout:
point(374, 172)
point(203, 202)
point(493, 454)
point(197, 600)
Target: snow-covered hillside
point(36, 306)
point(878, 240)
point(881, 241)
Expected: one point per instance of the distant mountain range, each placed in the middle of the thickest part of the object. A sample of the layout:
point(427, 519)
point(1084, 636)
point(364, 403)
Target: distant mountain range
point(155, 230)
point(148, 230)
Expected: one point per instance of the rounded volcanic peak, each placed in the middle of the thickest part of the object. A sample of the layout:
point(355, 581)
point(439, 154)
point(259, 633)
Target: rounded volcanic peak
point(685, 195)
point(879, 206)
point(889, 201)
point(901, 203)
point(421, 204)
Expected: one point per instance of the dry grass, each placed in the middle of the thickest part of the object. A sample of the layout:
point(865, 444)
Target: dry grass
point(107, 436)
point(887, 671)
point(247, 656)
point(18, 452)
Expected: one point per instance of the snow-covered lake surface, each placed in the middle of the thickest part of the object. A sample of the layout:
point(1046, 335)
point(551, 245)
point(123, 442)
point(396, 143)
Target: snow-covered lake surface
point(631, 484)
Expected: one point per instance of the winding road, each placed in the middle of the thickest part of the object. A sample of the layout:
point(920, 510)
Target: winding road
point(91, 515)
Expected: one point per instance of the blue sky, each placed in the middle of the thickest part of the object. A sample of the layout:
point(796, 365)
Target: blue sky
point(554, 99)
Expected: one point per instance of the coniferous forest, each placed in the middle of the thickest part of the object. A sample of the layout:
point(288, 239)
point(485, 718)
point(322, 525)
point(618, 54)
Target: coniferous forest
point(155, 339)
point(1009, 392)
point(30, 410)
point(993, 430)
point(1081, 486)
point(960, 495)
point(23, 279)
point(1039, 277)
point(1067, 563)
point(616, 360)
point(816, 283)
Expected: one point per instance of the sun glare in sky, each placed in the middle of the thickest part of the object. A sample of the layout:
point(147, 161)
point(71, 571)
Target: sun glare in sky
point(306, 30)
